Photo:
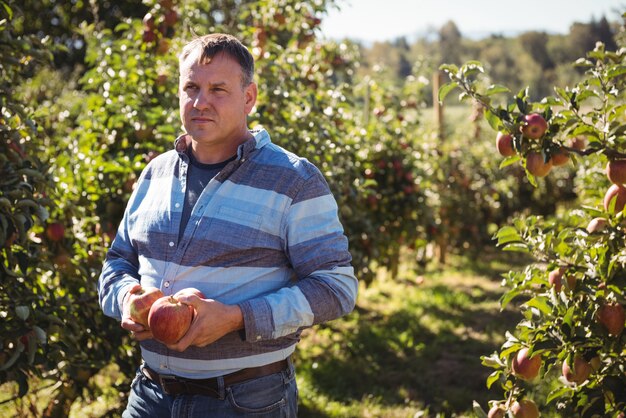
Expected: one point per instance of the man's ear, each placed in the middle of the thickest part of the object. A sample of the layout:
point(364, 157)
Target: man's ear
point(251, 93)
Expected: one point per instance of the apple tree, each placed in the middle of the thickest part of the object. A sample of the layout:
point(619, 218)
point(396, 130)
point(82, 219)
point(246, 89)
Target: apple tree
point(573, 296)
point(25, 188)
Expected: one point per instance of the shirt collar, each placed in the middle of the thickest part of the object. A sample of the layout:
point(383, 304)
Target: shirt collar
point(260, 139)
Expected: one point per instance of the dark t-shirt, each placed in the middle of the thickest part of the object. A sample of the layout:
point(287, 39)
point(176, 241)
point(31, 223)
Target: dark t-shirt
point(198, 176)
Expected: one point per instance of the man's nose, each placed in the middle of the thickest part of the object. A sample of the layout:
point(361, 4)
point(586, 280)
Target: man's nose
point(202, 101)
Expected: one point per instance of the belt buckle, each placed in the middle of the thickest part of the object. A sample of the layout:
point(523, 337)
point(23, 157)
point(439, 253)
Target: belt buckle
point(167, 380)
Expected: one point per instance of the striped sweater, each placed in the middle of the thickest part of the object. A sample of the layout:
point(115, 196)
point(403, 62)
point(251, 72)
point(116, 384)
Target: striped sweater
point(264, 235)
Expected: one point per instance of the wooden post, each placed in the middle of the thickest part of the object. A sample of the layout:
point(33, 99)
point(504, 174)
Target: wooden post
point(438, 107)
point(366, 107)
point(441, 239)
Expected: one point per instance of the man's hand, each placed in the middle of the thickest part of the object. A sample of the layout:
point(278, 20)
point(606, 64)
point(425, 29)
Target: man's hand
point(212, 321)
point(137, 330)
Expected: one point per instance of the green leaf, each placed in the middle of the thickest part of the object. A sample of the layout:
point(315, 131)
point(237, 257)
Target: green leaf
point(446, 89)
point(493, 378)
point(9, 11)
point(449, 68)
point(541, 303)
point(616, 71)
point(516, 247)
point(493, 120)
point(506, 230)
point(508, 297)
point(557, 393)
point(495, 89)
point(509, 161)
point(508, 235)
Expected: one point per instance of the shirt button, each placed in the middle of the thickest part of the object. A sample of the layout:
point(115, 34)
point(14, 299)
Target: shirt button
point(177, 205)
point(166, 284)
point(171, 243)
point(258, 337)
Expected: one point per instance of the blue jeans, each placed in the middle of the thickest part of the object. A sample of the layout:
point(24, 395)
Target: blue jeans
point(272, 396)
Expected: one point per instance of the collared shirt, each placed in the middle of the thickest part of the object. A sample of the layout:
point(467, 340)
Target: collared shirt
point(264, 234)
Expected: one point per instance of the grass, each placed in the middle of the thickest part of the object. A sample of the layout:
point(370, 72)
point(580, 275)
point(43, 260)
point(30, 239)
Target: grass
point(411, 348)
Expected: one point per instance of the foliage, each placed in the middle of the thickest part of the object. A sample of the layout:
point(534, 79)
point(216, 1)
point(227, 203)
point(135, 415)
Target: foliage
point(563, 317)
point(23, 203)
point(118, 112)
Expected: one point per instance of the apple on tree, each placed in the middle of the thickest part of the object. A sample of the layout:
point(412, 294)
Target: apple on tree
point(55, 231)
point(536, 165)
point(616, 192)
point(555, 279)
point(524, 366)
point(616, 171)
point(612, 316)
point(504, 144)
point(141, 300)
point(534, 126)
point(496, 411)
point(560, 158)
point(579, 372)
point(524, 409)
point(596, 225)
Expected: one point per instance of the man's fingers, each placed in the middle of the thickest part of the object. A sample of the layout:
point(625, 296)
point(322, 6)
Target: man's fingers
point(130, 325)
point(142, 335)
point(191, 300)
point(135, 288)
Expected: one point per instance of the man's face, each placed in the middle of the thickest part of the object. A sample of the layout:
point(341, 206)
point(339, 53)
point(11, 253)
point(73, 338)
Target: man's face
point(213, 103)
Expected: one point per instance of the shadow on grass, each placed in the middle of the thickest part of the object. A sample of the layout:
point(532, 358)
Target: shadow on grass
point(428, 352)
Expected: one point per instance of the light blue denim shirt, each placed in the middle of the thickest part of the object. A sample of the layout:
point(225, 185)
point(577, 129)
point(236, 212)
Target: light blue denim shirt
point(264, 234)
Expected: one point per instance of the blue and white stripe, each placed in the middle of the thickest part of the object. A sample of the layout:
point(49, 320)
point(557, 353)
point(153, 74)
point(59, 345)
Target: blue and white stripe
point(264, 234)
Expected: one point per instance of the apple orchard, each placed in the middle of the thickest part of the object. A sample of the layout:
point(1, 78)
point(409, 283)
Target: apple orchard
point(74, 143)
point(573, 326)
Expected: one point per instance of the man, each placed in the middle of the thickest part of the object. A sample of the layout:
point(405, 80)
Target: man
point(252, 226)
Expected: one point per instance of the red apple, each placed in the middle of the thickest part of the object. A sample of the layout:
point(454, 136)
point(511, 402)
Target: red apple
point(169, 319)
point(579, 373)
point(536, 166)
point(148, 36)
point(616, 171)
point(148, 22)
point(612, 316)
point(617, 192)
point(141, 300)
point(555, 277)
point(525, 409)
point(496, 411)
point(526, 367)
point(559, 158)
point(504, 144)
point(596, 225)
point(595, 363)
point(55, 231)
point(534, 126)
point(170, 17)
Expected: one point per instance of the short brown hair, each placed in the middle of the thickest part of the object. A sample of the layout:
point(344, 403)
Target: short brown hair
point(216, 43)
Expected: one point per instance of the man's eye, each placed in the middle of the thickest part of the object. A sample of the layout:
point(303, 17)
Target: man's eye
point(191, 87)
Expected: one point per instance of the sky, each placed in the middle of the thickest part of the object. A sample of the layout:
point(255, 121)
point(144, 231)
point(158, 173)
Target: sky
point(381, 20)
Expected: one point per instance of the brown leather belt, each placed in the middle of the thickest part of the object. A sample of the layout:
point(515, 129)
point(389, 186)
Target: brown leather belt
point(175, 385)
